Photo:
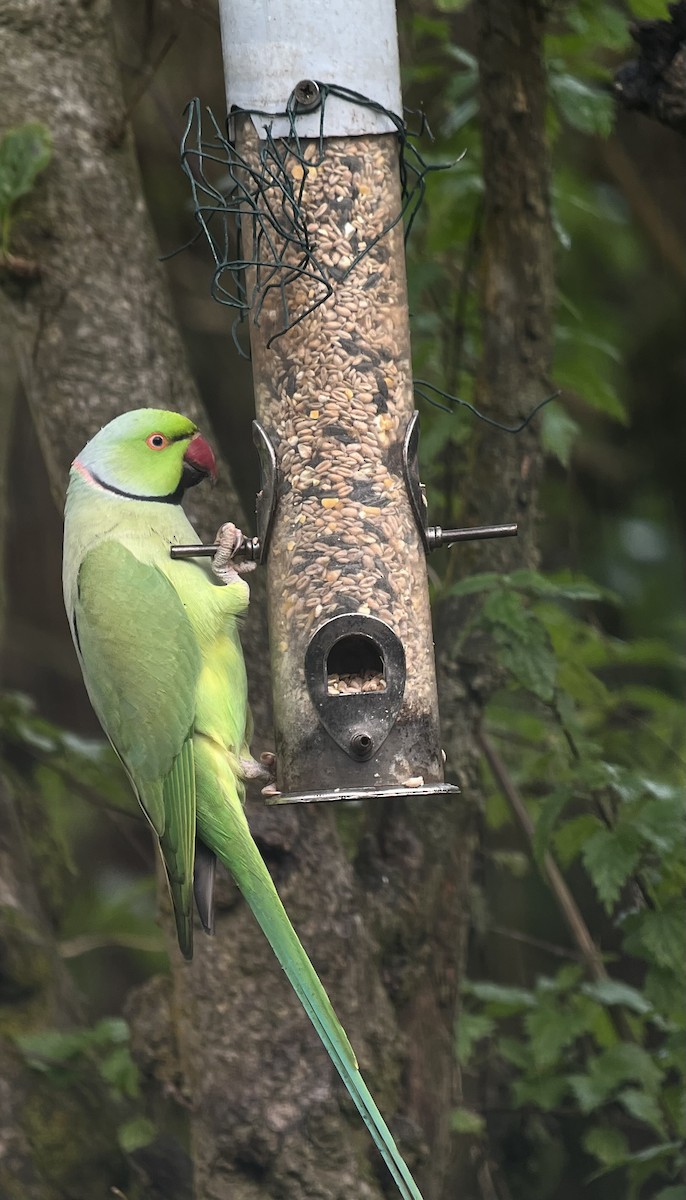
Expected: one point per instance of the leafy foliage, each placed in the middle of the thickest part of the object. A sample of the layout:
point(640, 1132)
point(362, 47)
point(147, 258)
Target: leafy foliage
point(65, 1057)
point(589, 723)
point(582, 45)
point(81, 788)
point(617, 808)
point(25, 151)
point(70, 783)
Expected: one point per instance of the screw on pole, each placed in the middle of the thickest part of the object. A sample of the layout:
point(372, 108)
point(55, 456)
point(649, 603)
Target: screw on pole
point(306, 96)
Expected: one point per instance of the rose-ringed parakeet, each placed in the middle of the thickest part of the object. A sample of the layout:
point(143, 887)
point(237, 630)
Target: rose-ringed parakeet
point(158, 645)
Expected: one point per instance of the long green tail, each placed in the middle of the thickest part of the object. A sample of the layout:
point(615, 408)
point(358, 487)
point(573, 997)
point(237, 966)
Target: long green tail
point(236, 849)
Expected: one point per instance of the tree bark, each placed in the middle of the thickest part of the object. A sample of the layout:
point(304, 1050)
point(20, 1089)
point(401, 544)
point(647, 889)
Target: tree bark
point(517, 303)
point(379, 895)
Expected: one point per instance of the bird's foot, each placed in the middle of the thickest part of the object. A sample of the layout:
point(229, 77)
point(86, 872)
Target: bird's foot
point(264, 770)
point(269, 762)
point(229, 540)
point(251, 769)
point(270, 790)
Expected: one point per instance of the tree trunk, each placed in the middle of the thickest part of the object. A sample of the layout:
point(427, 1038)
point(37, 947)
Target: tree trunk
point(380, 894)
point(517, 301)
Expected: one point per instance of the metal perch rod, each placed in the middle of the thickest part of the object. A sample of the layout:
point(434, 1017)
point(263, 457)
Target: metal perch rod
point(250, 547)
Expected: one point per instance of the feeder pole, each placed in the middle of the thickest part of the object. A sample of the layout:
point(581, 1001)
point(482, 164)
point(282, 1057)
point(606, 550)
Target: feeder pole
point(355, 701)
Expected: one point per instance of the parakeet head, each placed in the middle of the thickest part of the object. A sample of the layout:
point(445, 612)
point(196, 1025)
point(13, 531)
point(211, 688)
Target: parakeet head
point(147, 454)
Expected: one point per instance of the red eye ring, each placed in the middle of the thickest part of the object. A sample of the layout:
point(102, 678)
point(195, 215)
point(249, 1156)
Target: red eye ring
point(157, 441)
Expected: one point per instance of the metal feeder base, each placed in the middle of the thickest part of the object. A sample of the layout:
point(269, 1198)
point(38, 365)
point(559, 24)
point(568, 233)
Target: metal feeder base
point(386, 793)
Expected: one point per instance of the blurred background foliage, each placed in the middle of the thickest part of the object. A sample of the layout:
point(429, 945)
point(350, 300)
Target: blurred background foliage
point(571, 1042)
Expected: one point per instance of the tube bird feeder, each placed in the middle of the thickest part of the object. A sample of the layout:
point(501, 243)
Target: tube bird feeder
point(311, 89)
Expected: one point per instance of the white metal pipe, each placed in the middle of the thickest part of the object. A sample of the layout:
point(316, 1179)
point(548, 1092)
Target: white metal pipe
point(271, 45)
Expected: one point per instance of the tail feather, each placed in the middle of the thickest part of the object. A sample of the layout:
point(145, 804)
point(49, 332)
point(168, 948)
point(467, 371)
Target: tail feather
point(236, 849)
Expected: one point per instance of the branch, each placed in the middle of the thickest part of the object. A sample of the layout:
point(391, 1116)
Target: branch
point(578, 928)
point(538, 943)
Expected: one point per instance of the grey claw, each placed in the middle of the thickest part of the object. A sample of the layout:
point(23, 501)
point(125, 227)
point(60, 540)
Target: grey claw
point(229, 538)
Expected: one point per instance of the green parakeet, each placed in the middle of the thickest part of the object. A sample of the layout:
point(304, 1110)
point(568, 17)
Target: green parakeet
point(158, 645)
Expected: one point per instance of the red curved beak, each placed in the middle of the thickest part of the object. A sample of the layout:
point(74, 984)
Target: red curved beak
point(200, 456)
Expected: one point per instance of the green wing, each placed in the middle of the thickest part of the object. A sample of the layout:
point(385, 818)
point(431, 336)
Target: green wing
point(141, 663)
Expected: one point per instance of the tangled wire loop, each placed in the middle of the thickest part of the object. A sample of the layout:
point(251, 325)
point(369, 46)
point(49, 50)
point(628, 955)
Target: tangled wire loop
point(228, 190)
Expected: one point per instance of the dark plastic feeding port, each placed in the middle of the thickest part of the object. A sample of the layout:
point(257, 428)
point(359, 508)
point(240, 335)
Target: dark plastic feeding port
point(355, 662)
point(355, 674)
point(364, 742)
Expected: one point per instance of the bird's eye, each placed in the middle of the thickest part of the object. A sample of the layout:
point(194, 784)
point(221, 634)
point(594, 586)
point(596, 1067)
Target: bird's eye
point(157, 441)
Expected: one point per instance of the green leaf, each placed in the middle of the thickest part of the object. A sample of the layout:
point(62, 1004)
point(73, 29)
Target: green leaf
point(565, 586)
point(610, 856)
point(599, 25)
point(649, 9)
point(461, 114)
point(643, 1106)
point(614, 992)
point(497, 810)
point(587, 365)
point(588, 380)
point(603, 1028)
point(515, 1051)
point(506, 999)
point(551, 1031)
point(607, 1144)
point(112, 1030)
point(540, 1091)
point(523, 643)
point(664, 988)
point(135, 1134)
point(564, 980)
point(120, 1071)
point(462, 56)
point(621, 1063)
point(627, 1061)
point(651, 1155)
point(660, 820)
point(485, 582)
point(571, 837)
point(676, 1192)
point(659, 935)
point(464, 1120)
point(25, 151)
point(589, 1091)
point(514, 861)
point(551, 808)
point(584, 108)
point(558, 432)
point(471, 1029)
point(49, 1047)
